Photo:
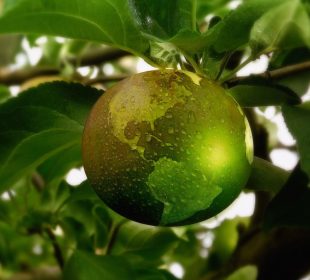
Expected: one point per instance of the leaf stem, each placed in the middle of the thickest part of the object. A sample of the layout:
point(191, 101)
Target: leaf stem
point(233, 72)
point(193, 63)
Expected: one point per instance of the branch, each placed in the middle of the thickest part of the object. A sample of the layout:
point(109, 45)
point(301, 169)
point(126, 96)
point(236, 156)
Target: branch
point(42, 273)
point(57, 250)
point(9, 77)
point(39, 184)
point(105, 79)
point(274, 74)
point(113, 236)
point(17, 77)
point(99, 56)
point(287, 70)
point(38, 181)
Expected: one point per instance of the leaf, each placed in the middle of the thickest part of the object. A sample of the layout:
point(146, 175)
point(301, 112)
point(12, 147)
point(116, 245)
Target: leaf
point(189, 41)
point(77, 236)
point(225, 241)
point(248, 272)
point(297, 119)
point(212, 62)
point(85, 266)
point(4, 93)
point(83, 192)
point(103, 223)
point(34, 221)
point(103, 21)
point(33, 150)
point(169, 25)
point(298, 82)
point(153, 274)
point(57, 166)
point(40, 123)
point(266, 176)
point(234, 30)
point(284, 26)
point(263, 94)
point(148, 242)
point(215, 7)
point(291, 207)
point(163, 18)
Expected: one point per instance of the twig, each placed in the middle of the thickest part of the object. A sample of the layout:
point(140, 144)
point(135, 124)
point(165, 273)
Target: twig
point(38, 181)
point(98, 56)
point(39, 184)
point(113, 236)
point(57, 251)
point(274, 74)
point(105, 79)
point(16, 77)
point(287, 70)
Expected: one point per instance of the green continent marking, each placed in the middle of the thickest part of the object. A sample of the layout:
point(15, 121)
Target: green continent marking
point(139, 105)
point(182, 189)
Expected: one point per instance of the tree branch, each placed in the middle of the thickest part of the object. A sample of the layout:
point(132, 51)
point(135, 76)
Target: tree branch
point(98, 56)
point(9, 77)
point(104, 79)
point(42, 273)
point(274, 74)
point(57, 250)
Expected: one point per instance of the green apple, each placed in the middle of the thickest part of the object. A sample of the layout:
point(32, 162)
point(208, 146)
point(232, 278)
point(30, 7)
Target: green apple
point(167, 147)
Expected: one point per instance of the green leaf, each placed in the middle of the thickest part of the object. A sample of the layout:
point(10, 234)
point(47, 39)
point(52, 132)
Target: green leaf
point(169, 25)
point(263, 94)
point(104, 21)
point(225, 241)
point(83, 192)
point(291, 207)
point(266, 176)
point(103, 224)
point(85, 266)
point(212, 63)
point(189, 41)
point(285, 26)
point(4, 93)
point(298, 82)
point(33, 150)
point(153, 274)
point(215, 7)
point(57, 166)
point(144, 241)
point(164, 18)
point(52, 197)
point(40, 123)
point(77, 236)
point(297, 119)
point(35, 220)
point(234, 30)
point(248, 272)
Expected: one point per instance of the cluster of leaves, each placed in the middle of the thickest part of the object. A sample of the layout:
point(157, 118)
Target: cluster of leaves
point(43, 219)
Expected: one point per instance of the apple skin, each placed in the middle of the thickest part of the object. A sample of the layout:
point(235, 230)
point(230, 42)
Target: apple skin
point(167, 148)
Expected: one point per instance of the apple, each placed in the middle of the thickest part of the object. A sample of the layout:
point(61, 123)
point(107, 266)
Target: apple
point(167, 147)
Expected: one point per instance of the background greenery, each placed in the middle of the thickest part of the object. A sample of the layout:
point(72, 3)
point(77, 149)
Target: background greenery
point(50, 229)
